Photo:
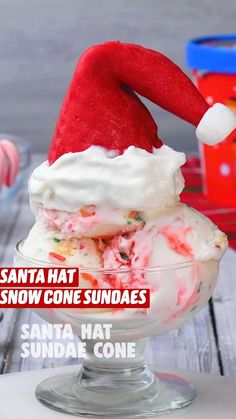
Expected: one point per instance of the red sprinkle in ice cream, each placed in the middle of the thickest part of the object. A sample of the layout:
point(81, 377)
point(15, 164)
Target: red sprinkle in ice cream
point(56, 256)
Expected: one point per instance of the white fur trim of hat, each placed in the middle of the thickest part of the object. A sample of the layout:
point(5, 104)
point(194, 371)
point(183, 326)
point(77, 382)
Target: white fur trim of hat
point(216, 124)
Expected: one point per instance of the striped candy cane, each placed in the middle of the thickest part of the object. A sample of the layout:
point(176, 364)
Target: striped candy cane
point(9, 163)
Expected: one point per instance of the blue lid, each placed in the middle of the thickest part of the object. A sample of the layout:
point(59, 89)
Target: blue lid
point(212, 53)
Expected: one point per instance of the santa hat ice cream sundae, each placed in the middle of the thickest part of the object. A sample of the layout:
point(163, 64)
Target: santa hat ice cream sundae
point(108, 196)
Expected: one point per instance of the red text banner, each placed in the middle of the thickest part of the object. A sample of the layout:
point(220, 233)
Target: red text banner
point(26, 277)
point(59, 288)
point(75, 298)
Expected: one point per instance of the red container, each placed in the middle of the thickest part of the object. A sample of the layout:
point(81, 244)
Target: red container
point(213, 60)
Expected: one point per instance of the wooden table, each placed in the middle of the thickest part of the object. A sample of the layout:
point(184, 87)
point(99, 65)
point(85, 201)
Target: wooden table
point(206, 343)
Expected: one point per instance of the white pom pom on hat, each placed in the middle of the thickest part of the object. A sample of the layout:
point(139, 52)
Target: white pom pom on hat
point(216, 124)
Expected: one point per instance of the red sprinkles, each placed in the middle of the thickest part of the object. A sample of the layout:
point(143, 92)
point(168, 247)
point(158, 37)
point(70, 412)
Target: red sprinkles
point(56, 256)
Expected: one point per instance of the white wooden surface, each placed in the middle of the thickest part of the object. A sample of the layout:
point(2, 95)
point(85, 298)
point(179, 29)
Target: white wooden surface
point(206, 343)
point(215, 396)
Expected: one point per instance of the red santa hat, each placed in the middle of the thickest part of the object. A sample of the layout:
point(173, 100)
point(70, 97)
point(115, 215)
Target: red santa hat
point(101, 106)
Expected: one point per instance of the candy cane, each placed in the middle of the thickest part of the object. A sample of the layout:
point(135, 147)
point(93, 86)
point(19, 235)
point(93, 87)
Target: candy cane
point(3, 168)
point(9, 162)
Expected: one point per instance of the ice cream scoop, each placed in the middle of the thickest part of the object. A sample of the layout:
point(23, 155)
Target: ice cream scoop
point(172, 235)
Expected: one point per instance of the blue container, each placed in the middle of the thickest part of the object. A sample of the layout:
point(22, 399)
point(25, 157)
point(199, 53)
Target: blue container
point(213, 53)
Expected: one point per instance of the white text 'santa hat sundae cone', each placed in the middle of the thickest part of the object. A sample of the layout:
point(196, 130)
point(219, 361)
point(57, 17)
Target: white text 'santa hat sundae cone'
point(101, 107)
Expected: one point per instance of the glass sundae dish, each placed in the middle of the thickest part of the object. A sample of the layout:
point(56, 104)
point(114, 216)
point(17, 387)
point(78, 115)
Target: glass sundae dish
point(107, 201)
point(123, 387)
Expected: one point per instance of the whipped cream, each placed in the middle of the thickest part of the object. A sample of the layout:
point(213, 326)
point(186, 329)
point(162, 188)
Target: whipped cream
point(136, 179)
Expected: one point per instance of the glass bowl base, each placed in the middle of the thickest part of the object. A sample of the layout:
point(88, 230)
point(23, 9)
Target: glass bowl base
point(66, 394)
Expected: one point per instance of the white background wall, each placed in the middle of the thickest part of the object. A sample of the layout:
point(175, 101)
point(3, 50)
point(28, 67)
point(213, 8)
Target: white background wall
point(40, 41)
